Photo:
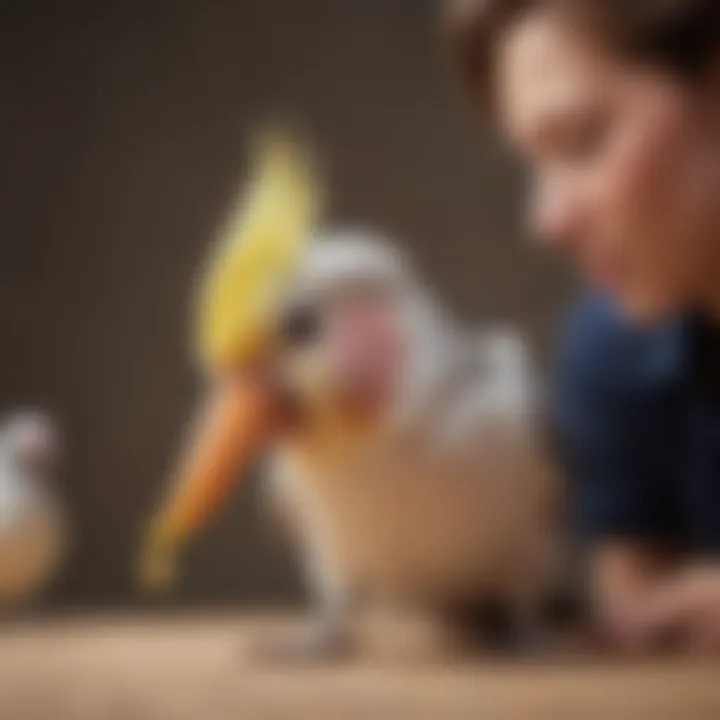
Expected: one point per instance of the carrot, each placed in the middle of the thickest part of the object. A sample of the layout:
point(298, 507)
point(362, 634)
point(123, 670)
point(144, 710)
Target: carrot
point(235, 422)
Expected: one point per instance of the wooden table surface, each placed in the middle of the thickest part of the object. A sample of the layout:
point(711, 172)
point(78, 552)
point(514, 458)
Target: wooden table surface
point(201, 669)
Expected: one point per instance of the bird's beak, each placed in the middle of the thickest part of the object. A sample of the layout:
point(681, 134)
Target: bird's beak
point(235, 421)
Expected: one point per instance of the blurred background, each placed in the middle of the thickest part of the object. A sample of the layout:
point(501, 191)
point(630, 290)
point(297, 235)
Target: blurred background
point(124, 131)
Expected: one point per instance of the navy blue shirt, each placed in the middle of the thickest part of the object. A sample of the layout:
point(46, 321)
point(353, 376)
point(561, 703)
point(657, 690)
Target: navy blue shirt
point(639, 417)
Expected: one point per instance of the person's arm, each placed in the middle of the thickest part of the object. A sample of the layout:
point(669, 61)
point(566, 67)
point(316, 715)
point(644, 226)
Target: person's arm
point(619, 510)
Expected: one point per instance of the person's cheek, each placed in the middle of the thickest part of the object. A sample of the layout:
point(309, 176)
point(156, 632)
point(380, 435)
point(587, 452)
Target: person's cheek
point(638, 201)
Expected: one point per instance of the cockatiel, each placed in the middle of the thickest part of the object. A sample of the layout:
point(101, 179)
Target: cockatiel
point(402, 449)
point(33, 528)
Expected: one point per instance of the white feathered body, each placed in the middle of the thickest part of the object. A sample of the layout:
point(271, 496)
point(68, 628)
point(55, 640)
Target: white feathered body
point(32, 537)
point(454, 500)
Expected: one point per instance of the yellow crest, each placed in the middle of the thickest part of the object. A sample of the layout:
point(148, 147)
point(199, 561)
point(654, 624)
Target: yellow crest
point(261, 245)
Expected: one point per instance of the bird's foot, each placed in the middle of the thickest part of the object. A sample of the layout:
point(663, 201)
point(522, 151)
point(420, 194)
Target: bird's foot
point(312, 644)
point(534, 641)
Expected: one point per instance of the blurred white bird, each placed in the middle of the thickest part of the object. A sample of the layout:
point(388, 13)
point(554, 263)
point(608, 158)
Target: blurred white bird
point(33, 529)
point(403, 449)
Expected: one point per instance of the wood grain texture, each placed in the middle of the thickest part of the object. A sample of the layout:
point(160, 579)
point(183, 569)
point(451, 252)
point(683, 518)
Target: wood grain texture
point(197, 669)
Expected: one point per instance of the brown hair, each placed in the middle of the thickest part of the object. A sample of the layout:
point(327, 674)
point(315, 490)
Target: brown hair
point(678, 35)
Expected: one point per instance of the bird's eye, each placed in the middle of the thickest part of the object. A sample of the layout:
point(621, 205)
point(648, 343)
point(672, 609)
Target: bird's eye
point(301, 325)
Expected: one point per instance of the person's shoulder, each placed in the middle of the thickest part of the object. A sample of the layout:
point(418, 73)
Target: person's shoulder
point(598, 339)
point(602, 352)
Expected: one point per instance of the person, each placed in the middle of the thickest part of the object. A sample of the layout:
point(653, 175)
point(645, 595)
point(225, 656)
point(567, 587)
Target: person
point(614, 105)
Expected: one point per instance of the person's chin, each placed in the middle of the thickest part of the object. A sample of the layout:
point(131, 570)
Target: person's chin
point(646, 308)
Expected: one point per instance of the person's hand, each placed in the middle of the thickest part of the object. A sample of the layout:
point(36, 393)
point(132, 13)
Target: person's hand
point(624, 578)
point(646, 604)
point(688, 607)
point(625, 628)
point(704, 632)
